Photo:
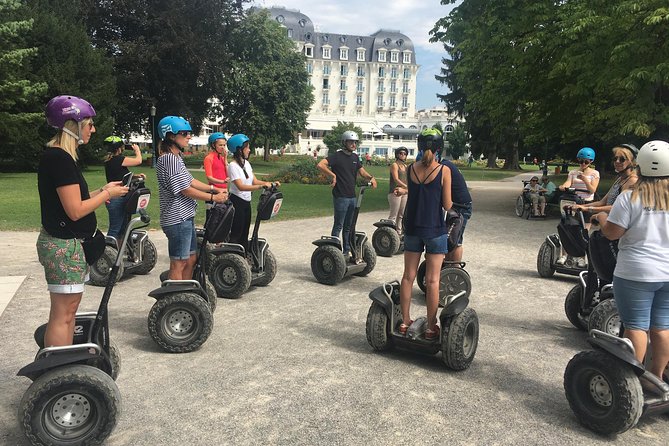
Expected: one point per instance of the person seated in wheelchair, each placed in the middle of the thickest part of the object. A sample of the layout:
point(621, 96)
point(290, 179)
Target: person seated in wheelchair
point(549, 189)
point(536, 192)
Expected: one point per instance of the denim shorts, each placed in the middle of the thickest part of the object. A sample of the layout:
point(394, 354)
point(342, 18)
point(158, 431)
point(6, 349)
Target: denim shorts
point(642, 305)
point(466, 211)
point(65, 267)
point(436, 245)
point(181, 239)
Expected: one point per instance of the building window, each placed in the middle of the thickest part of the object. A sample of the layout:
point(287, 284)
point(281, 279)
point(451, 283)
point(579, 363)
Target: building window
point(361, 72)
point(394, 56)
point(393, 102)
point(405, 87)
point(407, 73)
point(380, 86)
point(326, 84)
point(343, 70)
point(379, 101)
point(360, 55)
point(290, 33)
point(359, 101)
point(309, 51)
point(360, 86)
point(310, 68)
point(326, 68)
point(342, 99)
point(343, 53)
point(405, 102)
point(406, 57)
point(393, 86)
point(326, 53)
point(326, 99)
point(342, 84)
point(382, 56)
point(382, 72)
point(393, 73)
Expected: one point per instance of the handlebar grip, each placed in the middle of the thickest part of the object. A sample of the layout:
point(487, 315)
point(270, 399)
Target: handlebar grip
point(146, 218)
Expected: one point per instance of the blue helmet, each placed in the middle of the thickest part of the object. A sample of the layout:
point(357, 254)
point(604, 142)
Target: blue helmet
point(215, 137)
point(172, 124)
point(237, 142)
point(586, 153)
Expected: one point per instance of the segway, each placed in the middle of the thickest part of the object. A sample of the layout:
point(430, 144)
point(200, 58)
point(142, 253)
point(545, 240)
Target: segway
point(73, 398)
point(328, 264)
point(604, 386)
point(570, 226)
point(386, 240)
point(459, 335)
point(182, 318)
point(140, 255)
point(233, 270)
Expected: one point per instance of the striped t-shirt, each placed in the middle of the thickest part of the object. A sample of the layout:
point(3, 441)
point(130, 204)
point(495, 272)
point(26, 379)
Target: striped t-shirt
point(173, 178)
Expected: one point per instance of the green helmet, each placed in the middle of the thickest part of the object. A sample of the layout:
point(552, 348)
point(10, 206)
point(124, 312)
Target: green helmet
point(112, 143)
point(431, 139)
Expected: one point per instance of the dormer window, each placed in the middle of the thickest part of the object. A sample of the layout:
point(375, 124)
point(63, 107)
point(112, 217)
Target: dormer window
point(309, 50)
point(406, 57)
point(394, 56)
point(360, 55)
point(327, 52)
point(343, 53)
point(382, 56)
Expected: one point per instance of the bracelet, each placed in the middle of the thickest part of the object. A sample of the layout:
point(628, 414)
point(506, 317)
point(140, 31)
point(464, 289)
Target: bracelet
point(211, 188)
point(108, 193)
point(102, 189)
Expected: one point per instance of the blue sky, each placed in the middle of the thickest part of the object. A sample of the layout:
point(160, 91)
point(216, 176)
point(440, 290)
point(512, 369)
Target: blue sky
point(414, 18)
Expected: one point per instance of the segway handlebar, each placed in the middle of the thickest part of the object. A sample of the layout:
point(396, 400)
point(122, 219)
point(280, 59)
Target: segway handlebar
point(144, 216)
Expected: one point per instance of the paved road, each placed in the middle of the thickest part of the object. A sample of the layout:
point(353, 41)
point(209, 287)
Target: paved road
point(289, 363)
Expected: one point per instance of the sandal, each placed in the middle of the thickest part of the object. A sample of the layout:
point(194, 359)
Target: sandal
point(431, 335)
point(404, 327)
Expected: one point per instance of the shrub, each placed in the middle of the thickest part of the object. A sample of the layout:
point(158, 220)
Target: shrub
point(302, 171)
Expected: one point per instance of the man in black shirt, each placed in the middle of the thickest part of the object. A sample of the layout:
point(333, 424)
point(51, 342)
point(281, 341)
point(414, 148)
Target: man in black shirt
point(344, 166)
point(462, 204)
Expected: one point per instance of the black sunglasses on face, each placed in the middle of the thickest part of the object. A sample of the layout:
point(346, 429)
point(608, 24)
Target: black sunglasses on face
point(583, 161)
point(620, 159)
point(184, 133)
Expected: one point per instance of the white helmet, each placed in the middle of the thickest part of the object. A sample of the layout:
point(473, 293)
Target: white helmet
point(349, 135)
point(653, 159)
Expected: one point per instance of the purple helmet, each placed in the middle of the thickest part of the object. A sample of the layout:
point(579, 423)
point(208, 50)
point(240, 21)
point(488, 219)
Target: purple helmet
point(63, 108)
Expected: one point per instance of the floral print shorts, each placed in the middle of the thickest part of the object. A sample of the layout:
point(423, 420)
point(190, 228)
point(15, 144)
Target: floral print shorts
point(65, 266)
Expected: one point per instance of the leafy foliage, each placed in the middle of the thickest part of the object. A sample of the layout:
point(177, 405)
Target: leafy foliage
point(302, 171)
point(457, 142)
point(332, 139)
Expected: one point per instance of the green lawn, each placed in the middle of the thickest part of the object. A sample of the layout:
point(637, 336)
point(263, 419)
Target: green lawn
point(20, 209)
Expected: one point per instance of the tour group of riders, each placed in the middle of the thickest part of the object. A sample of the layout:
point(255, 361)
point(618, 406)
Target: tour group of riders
point(635, 211)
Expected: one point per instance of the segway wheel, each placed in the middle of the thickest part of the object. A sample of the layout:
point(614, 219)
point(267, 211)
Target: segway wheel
point(386, 241)
point(231, 275)
point(460, 339)
point(76, 404)
point(605, 317)
point(545, 261)
point(420, 276)
point(378, 327)
point(269, 270)
point(572, 308)
point(328, 265)
point(451, 282)
point(149, 258)
point(211, 295)
point(164, 276)
point(603, 392)
point(181, 322)
point(99, 271)
point(115, 359)
point(369, 257)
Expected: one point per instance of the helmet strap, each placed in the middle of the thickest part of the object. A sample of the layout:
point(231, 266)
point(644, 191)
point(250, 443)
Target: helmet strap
point(74, 135)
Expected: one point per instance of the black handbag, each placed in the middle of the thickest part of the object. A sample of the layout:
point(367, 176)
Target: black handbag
point(94, 246)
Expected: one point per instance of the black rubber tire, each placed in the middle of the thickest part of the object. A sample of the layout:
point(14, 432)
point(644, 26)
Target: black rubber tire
point(211, 295)
point(420, 276)
point(270, 269)
point(386, 241)
point(115, 358)
point(452, 281)
point(605, 317)
point(149, 259)
point(328, 265)
point(572, 308)
point(88, 395)
point(377, 328)
point(99, 271)
point(181, 322)
point(545, 260)
point(521, 208)
point(369, 257)
point(460, 339)
point(164, 276)
point(231, 275)
point(603, 392)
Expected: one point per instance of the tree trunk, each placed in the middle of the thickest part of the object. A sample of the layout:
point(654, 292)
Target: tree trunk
point(265, 155)
point(491, 155)
point(511, 161)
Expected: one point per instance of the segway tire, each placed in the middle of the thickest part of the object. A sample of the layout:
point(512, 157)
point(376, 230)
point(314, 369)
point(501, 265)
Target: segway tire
point(572, 308)
point(149, 258)
point(181, 322)
point(369, 257)
point(86, 393)
point(231, 275)
point(115, 359)
point(328, 265)
point(269, 269)
point(460, 339)
point(451, 282)
point(99, 271)
point(545, 260)
point(378, 327)
point(420, 276)
point(212, 297)
point(605, 317)
point(603, 392)
point(386, 241)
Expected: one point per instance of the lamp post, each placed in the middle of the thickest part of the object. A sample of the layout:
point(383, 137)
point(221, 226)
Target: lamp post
point(152, 111)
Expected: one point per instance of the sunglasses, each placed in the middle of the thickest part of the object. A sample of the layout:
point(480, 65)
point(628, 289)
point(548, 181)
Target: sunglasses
point(533, 181)
point(583, 161)
point(184, 133)
point(91, 125)
point(619, 159)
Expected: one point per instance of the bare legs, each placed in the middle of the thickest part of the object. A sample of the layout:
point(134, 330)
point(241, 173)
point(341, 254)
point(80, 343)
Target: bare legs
point(60, 328)
point(432, 271)
point(182, 269)
point(659, 342)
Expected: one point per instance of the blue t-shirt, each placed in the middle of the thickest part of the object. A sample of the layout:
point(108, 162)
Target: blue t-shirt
point(459, 192)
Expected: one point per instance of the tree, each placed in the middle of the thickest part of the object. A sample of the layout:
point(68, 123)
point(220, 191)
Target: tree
point(20, 107)
point(332, 139)
point(457, 142)
point(265, 92)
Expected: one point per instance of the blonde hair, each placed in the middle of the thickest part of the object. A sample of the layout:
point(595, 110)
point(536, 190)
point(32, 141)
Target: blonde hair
point(66, 141)
point(427, 158)
point(653, 192)
point(624, 151)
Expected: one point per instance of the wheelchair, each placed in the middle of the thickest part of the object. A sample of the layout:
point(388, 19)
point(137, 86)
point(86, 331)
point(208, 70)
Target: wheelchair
point(524, 203)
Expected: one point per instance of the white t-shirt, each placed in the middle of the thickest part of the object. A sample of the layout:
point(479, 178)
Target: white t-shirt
point(644, 248)
point(235, 172)
point(578, 183)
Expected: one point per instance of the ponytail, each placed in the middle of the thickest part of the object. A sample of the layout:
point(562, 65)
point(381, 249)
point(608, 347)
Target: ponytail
point(428, 157)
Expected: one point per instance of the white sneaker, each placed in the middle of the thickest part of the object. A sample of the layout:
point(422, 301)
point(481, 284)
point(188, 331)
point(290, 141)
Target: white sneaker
point(581, 263)
point(561, 260)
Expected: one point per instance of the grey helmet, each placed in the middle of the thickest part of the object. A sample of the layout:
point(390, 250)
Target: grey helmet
point(349, 135)
point(653, 159)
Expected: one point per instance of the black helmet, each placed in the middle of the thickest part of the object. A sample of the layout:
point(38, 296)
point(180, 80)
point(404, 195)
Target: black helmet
point(431, 139)
point(400, 150)
point(112, 143)
point(631, 147)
